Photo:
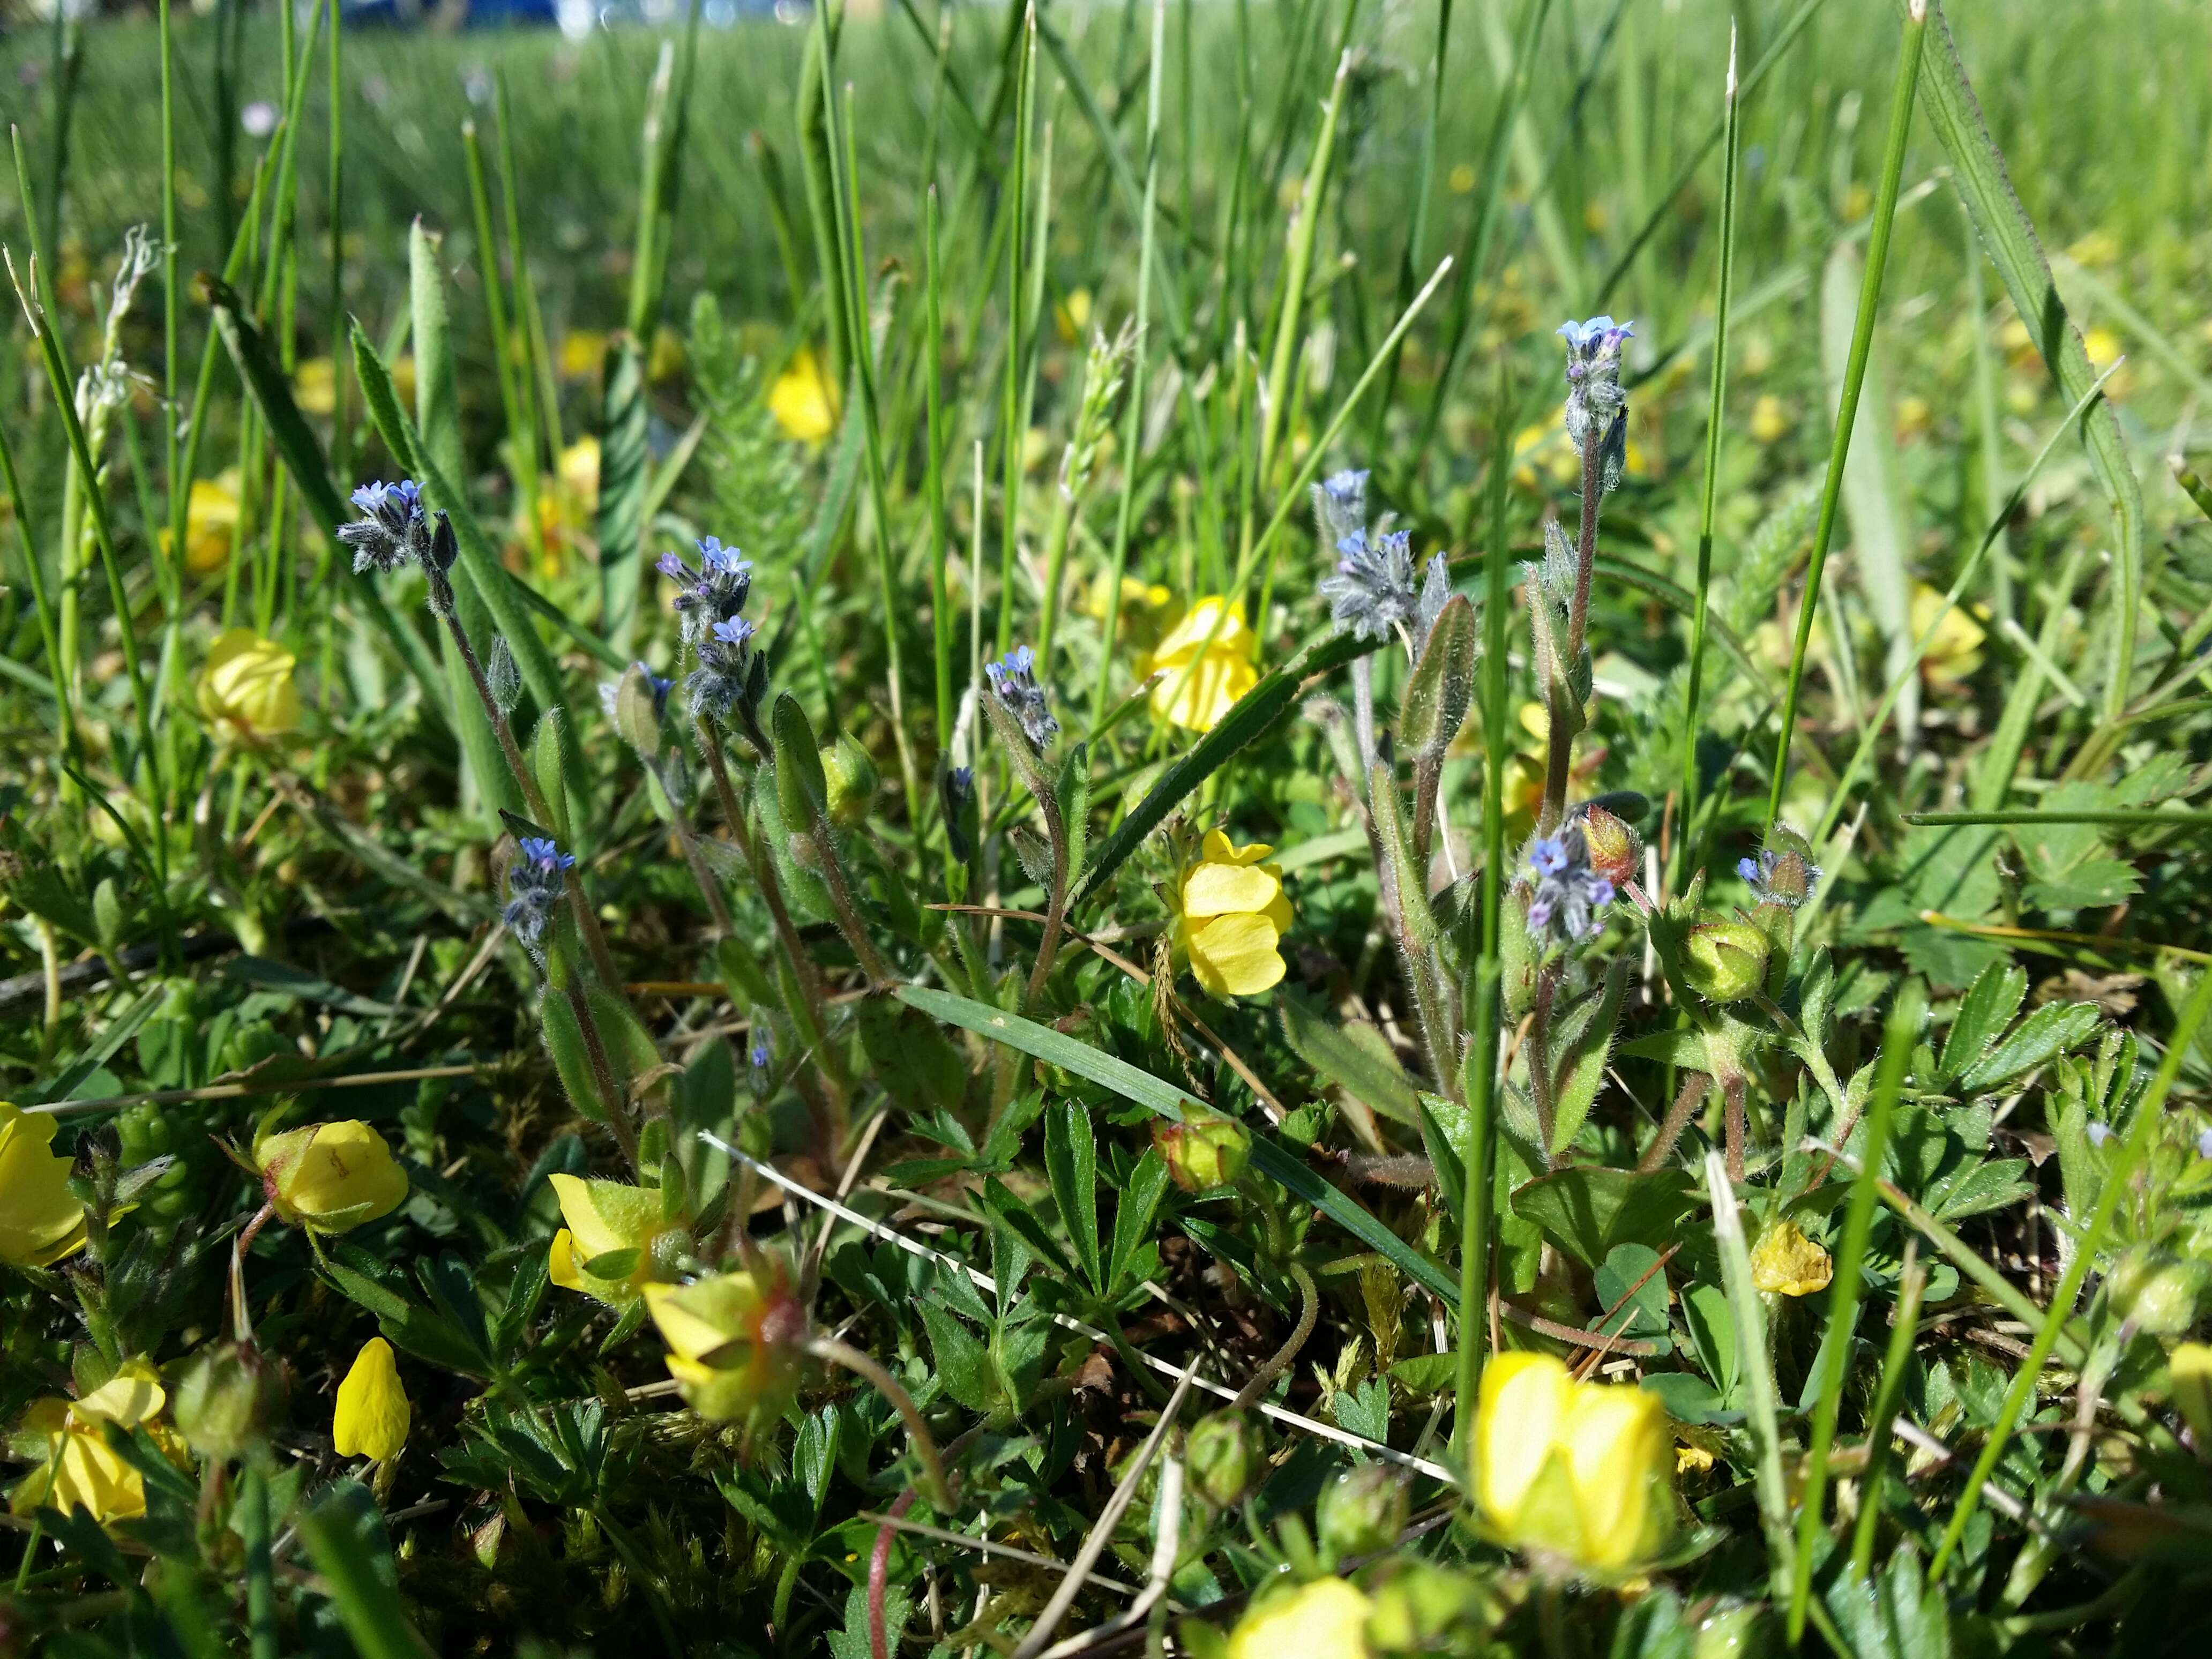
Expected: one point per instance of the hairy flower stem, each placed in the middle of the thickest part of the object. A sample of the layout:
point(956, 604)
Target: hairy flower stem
point(1055, 910)
point(1732, 1092)
point(1540, 1051)
point(1308, 1313)
point(934, 1485)
point(603, 1074)
point(1560, 739)
point(710, 889)
point(808, 1010)
point(1687, 1099)
point(850, 922)
point(595, 938)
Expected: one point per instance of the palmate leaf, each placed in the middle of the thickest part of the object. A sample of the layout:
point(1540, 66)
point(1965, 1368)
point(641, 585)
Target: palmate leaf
point(1269, 1157)
point(1255, 713)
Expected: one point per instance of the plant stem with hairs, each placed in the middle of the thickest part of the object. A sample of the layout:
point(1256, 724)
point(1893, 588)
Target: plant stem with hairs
point(934, 1484)
point(1308, 1313)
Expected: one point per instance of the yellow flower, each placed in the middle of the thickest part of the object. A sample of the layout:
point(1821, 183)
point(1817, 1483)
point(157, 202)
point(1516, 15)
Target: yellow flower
point(1461, 179)
point(1146, 608)
point(77, 1468)
point(330, 1176)
point(802, 400)
point(580, 474)
point(1208, 658)
point(372, 1414)
point(733, 1343)
point(1231, 913)
point(210, 523)
point(1954, 651)
point(1692, 1460)
point(1915, 416)
point(605, 1219)
point(41, 1219)
point(1578, 1471)
point(2099, 247)
point(582, 351)
point(2103, 349)
point(665, 361)
point(1785, 1263)
point(1769, 419)
point(1325, 1620)
point(1072, 315)
point(245, 692)
point(315, 386)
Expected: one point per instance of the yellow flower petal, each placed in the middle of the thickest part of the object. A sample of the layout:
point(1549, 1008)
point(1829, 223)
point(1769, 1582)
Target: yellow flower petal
point(331, 1176)
point(246, 690)
point(1221, 890)
point(561, 1261)
point(1524, 1400)
point(127, 1398)
point(1235, 955)
point(1615, 1435)
point(803, 401)
point(372, 1414)
point(1325, 1620)
point(41, 1221)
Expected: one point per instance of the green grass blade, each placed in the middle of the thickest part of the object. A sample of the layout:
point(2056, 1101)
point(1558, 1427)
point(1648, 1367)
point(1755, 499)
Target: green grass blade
point(1269, 1157)
point(1885, 216)
point(1715, 423)
point(1254, 712)
point(1901, 1032)
point(1756, 1365)
point(1978, 170)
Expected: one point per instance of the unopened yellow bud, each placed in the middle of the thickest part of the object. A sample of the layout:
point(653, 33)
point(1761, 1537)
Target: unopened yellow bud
point(734, 1343)
point(1785, 1263)
point(373, 1415)
point(1325, 1620)
point(1204, 1151)
point(330, 1176)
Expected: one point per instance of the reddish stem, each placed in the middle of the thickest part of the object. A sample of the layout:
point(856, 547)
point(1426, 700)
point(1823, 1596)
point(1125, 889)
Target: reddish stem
point(879, 1567)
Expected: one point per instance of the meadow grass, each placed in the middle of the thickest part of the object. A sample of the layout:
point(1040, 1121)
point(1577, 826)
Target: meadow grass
point(581, 1119)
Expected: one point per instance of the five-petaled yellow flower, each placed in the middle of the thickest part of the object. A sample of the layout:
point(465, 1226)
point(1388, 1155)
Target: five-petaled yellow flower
point(77, 1469)
point(245, 692)
point(1231, 915)
point(1785, 1263)
point(1579, 1473)
point(604, 1219)
point(41, 1219)
point(734, 1343)
point(1325, 1620)
point(803, 401)
point(372, 1414)
point(1207, 663)
point(330, 1177)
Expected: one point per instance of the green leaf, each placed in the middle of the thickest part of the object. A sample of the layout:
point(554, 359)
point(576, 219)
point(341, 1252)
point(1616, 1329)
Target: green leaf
point(1985, 1010)
point(2050, 1031)
point(802, 788)
point(623, 452)
point(1255, 713)
point(1132, 1216)
point(1071, 1157)
point(1427, 1373)
point(1644, 1313)
point(345, 1537)
point(1441, 688)
point(1269, 1157)
point(963, 1365)
point(1355, 1058)
point(1584, 1035)
point(1587, 1210)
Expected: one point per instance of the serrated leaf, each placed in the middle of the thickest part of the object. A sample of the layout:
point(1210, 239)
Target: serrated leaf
point(1985, 1010)
point(963, 1365)
point(1132, 1217)
point(1367, 1070)
point(2052, 1030)
point(1071, 1158)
